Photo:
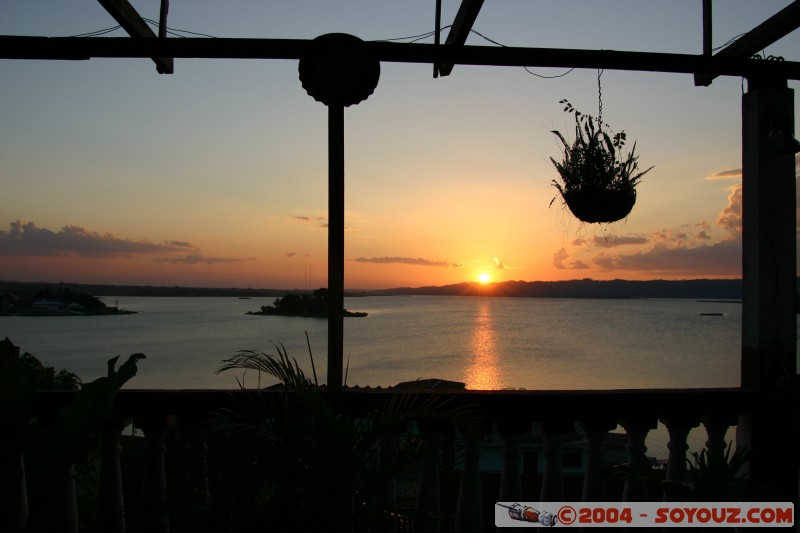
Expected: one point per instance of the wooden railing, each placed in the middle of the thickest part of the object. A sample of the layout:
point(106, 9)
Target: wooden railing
point(508, 414)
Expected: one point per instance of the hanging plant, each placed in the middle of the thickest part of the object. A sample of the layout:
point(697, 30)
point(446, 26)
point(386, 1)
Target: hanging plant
point(598, 182)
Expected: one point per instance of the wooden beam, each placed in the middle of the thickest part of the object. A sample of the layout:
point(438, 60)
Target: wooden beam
point(162, 19)
point(771, 30)
point(708, 27)
point(462, 25)
point(335, 247)
point(769, 279)
point(70, 48)
point(131, 22)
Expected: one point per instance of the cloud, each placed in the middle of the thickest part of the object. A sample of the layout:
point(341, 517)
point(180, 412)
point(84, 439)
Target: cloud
point(181, 244)
point(731, 216)
point(401, 260)
point(499, 264)
point(291, 254)
point(25, 239)
point(321, 222)
point(722, 258)
point(733, 173)
point(603, 260)
point(457, 265)
point(559, 258)
point(197, 258)
point(605, 242)
point(670, 237)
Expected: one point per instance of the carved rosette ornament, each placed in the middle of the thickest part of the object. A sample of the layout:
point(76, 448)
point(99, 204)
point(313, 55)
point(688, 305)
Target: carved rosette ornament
point(339, 70)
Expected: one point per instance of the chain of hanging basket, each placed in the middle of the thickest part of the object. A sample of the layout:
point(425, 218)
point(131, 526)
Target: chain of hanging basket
point(598, 183)
point(599, 99)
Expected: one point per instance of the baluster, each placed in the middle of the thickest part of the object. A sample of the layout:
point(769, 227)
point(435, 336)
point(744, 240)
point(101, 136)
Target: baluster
point(512, 432)
point(678, 428)
point(387, 492)
point(154, 497)
point(62, 501)
point(594, 479)
point(554, 433)
point(635, 490)
point(198, 470)
point(469, 515)
point(716, 428)
point(193, 429)
point(13, 484)
point(428, 513)
point(14, 491)
point(110, 501)
point(23, 495)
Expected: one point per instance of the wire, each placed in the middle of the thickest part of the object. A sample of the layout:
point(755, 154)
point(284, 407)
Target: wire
point(548, 77)
point(411, 39)
point(415, 37)
point(479, 34)
point(97, 32)
point(731, 40)
point(172, 31)
point(526, 68)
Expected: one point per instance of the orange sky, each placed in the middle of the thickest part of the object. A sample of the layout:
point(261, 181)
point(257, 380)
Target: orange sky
point(217, 175)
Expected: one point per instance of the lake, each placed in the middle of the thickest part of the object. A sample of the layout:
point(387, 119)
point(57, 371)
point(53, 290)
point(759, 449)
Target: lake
point(487, 343)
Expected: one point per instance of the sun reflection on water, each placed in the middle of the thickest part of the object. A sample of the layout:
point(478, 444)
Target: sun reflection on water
point(483, 372)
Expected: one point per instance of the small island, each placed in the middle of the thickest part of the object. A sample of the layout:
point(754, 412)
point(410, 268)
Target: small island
point(307, 305)
point(60, 301)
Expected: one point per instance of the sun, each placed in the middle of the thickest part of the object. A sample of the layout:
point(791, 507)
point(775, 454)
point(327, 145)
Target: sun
point(483, 277)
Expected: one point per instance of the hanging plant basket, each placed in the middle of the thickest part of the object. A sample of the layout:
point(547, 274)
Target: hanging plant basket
point(598, 183)
point(604, 205)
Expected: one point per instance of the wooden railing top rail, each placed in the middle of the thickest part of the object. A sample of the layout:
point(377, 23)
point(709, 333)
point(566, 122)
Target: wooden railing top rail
point(540, 406)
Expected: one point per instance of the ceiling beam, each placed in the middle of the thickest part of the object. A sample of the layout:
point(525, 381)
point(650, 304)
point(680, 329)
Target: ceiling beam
point(771, 30)
point(462, 25)
point(71, 48)
point(127, 17)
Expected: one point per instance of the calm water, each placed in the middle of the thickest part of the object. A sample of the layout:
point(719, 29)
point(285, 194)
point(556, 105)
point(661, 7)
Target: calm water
point(488, 343)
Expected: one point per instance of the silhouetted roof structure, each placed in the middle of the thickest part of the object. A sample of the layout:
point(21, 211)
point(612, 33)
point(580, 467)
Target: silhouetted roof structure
point(732, 60)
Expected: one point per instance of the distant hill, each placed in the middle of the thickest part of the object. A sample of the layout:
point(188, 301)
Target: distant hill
point(137, 290)
point(586, 288)
point(583, 288)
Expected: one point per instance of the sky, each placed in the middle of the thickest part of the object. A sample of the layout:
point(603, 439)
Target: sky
point(216, 175)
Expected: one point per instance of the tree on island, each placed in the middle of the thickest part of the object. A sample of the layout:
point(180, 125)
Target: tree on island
point(308, 305)
point(65, 295)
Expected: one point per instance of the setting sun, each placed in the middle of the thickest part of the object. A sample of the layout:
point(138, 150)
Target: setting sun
point(483, 277)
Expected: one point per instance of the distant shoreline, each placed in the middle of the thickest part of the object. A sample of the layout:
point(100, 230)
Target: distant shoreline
point(110, 312)
point(701, 289)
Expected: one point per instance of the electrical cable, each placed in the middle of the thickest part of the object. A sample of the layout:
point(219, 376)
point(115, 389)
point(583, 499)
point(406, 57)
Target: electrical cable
point(97, 32)
point(172, 31)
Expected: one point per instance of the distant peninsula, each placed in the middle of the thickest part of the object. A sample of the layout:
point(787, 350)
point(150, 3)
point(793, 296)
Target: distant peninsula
point(702, 289)
point(707, 289)
point(58, 301)
point(305, 305)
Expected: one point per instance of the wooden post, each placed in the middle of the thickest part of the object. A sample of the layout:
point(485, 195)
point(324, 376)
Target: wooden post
point(162, 19)
point(707, 28)
point(335, 245)
point(769, 275)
